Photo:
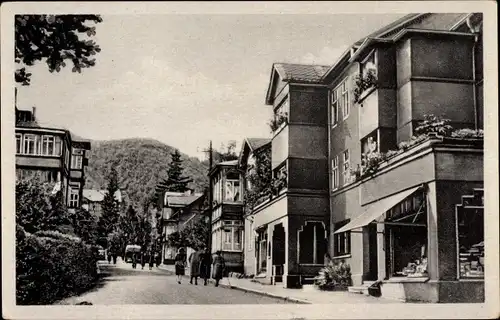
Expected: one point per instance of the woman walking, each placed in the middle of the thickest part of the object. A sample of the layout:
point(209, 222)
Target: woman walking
point(205, 263)
point(151, 261)
point(218, 267)
point(194, 267)
point(180, 264)
point(143, 260)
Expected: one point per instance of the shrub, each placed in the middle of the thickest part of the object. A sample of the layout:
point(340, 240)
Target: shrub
point(51, 266)
point(371, 161)
point(335, 275)
point(467, 133)
point(363, 83)
point(434, 124)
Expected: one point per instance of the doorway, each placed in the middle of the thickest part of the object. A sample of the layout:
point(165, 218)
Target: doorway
point(372, 253)
point(278, 251)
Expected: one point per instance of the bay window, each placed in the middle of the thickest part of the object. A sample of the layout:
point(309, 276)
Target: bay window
point(232, 235)
point(233, 190)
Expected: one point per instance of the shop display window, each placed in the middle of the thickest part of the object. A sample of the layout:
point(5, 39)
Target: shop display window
point(470, 228)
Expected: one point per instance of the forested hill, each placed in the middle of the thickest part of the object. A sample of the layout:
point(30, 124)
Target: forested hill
point(141, 164)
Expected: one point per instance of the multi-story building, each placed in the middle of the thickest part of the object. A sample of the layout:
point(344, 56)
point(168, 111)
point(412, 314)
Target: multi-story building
point(408, 212)
point(178, 209)
point(52, 154)
point(227, 213)
point(411, 214)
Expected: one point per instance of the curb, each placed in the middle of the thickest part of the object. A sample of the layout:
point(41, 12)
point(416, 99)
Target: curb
point(263, 293)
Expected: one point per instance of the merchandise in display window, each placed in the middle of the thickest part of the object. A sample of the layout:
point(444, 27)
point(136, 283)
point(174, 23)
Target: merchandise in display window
point(470, 242)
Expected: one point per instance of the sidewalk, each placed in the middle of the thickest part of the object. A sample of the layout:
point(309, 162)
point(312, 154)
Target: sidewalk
point(307, 295)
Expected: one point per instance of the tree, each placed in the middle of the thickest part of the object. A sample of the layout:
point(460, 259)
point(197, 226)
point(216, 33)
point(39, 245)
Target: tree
point(259, 177)
point(226, 152)
point(196, 234)
point(85, 225)
point(38, 209)
point(108, 222)
point(55, 38)
point(175, 182)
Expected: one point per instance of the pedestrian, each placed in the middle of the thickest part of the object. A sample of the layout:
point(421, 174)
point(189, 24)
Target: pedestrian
point(180, 264)
point(114, 258)
point(143, 260)
point(219, 266)
point(205, 263)
point(134, 260)
point(151, 261)
point(194, 267)
point(157, 259)
point(109, 256)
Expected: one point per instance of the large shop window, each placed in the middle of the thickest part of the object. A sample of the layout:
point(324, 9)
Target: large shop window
point(312, 243)
point(406, 234)
point(470, 227)
point(342, 241)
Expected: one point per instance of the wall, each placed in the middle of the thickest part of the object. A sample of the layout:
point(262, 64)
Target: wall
point(271, 212)
point(308, 174)
point(249, 251)
point(37, 161)
point(308, 105)
point(279, 147)
point(309, 142)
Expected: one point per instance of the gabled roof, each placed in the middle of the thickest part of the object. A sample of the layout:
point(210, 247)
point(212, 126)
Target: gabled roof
point(181, 201)
point(295, 73)
point(424, 22)
point(252, 144)
point(256, 143)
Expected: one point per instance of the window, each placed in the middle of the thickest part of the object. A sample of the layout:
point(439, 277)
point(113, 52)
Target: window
point(48, 145)
point(19, 143)
point(345, 100)
point(347, 167)
point(335, 172)
point(342, 241)
point(368, 64)
point(73, 196)
point(312, 243)
point(232, 235)
point(57, 146)
point(232, 190)
point(250, 237)
point(30, 144)
point(335, 108)
point(77, 159)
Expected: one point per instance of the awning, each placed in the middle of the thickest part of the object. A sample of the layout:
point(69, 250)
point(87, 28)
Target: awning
point(376, 209)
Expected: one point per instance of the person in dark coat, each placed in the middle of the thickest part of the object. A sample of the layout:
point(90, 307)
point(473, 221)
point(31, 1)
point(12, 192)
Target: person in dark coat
point(151, 261)
point(157, 259)
point(180, 264)
point(205, 263)
point(134, 261)
point(143, 260)
point(194, 267)
point(218, 267)
point(114, 258)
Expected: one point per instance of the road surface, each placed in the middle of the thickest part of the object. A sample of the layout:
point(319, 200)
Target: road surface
point(121, 284)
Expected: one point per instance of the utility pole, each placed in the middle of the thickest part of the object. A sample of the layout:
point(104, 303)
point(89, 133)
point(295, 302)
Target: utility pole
point(210, 196)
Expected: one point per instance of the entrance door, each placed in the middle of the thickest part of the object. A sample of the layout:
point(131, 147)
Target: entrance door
point(263, 256)
point(278, 251)
point(372, 240)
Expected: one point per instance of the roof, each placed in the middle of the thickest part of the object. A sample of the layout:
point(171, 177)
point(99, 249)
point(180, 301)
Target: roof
point(256, 143)
point(301, 72)
point(182, 201)
point(94, 195)
point(392, 32)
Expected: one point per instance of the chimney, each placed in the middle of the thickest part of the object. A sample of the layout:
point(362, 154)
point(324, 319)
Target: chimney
point(33, 114)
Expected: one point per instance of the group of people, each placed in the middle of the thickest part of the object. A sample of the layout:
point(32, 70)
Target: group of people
point(146, 257)
point(199, 266)
point(112, 256)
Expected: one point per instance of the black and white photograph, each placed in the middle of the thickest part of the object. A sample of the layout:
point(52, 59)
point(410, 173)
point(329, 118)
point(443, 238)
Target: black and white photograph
point(249, 160)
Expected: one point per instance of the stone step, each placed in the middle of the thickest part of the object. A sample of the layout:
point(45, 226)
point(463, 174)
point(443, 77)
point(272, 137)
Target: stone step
point(358, 289)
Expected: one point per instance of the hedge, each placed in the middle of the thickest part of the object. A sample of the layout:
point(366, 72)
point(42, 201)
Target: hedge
point(51, 266)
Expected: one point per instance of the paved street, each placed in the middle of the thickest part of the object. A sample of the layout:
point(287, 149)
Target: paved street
point(123, 285)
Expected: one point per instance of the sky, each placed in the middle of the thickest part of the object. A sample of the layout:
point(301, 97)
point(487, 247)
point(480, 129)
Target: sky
point(187, 79)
